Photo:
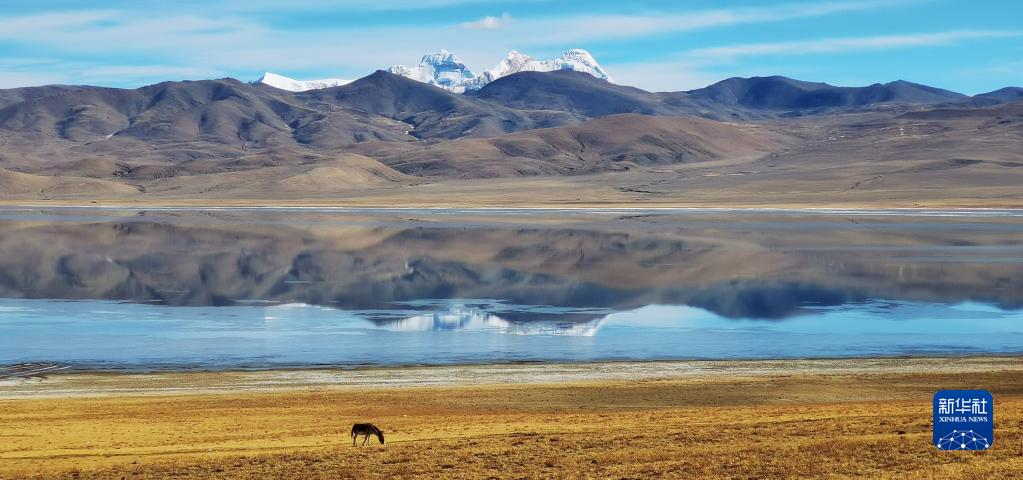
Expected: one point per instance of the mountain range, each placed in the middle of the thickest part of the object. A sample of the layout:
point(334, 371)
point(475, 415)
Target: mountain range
point(780, 93)
point(388, 134)
point(445, 70)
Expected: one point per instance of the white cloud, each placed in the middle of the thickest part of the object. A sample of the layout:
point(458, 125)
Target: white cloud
point(339, 5)
point(27, 27)
point(489, 22)
point(144, 73)
point(593, 27)
point(849, 44)
point(22, 79)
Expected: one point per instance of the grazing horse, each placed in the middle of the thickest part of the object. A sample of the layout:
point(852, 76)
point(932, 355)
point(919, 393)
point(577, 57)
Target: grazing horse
point(366, 429)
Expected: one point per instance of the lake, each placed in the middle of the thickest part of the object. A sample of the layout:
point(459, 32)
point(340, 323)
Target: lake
point(128, 289)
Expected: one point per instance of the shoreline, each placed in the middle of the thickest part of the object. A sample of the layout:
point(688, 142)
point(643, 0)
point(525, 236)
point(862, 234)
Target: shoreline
point(67, 384)
point(72, 368)
point(1009, 210)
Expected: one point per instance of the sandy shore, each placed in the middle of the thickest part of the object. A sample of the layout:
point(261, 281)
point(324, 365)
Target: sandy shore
point(89, 384)
point(434, 203)
point(867, 418)
point(528, 208)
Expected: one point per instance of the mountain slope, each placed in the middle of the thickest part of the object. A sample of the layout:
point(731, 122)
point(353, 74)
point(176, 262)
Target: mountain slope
point(587, 96)
point(1002, 95)
point(781, 93)
point(222, 126)
point(430, 112)
point(612, 143)
point(174, 123)
point(221, 112)
point(335, 174)
point(22, 184)
point(568, 91)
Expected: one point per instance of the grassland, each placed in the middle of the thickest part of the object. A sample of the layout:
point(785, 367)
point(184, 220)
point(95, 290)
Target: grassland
point(847, 420)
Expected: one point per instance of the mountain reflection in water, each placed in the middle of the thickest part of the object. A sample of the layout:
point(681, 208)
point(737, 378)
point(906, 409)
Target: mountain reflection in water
point(718, 279)
point(761, 265)
point(461, 318)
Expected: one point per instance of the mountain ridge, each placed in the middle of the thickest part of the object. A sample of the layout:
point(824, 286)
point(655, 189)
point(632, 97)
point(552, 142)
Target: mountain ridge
point(214, 137)
point(446, 70)
point(783, 93)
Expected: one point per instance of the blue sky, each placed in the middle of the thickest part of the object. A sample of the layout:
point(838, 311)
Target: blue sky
point(970, 47)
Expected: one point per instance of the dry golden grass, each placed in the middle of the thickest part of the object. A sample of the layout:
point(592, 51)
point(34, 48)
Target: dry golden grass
point(863, 425)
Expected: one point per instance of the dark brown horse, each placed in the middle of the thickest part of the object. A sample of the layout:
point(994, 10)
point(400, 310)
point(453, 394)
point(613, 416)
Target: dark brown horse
point(366, 429)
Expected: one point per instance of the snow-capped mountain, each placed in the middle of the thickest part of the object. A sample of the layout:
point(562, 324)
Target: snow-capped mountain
point(442, 69)
point(290, 84)
point(445, 70)
point(575, 59)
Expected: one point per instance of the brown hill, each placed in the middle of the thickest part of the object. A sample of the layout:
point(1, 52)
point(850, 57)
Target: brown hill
point(15, 184)
point(343, 173)
point(584, 95)
point(431, 112)
point(612, 143)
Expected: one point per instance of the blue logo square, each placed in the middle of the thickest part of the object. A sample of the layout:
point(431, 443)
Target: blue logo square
point(964, 420)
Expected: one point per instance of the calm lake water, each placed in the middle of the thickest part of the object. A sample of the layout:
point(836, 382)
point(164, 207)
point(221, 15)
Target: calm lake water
point(166, 288)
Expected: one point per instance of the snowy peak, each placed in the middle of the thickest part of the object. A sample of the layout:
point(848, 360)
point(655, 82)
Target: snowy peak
point(575, 59)
point(442, 69)
point(445, 70)
point(581, 61)
point(443, 57)
point(514, 62)
point(292, 85)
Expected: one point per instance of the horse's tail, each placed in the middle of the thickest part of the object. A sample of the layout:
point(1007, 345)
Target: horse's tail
point(353, 430)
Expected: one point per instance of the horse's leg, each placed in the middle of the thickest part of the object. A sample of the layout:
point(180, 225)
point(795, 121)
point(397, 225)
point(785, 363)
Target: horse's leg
point(355, 436)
